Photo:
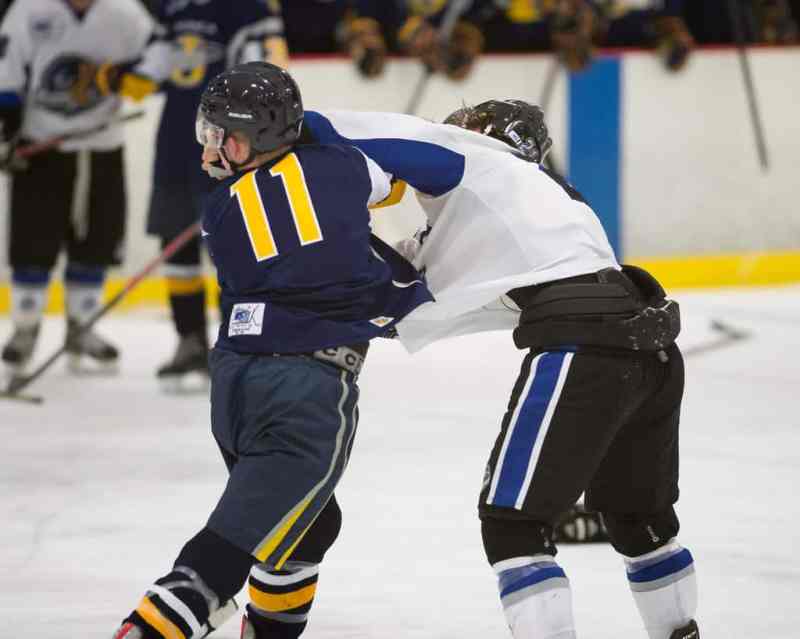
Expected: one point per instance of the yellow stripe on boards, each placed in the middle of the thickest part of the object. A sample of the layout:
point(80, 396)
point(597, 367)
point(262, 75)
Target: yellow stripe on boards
point(274, 539)
point(152, 615)
point(303, 213)
point(675, 273)
point(187, 286)
point(282, 601)
point(255, 217)
point(708, 271)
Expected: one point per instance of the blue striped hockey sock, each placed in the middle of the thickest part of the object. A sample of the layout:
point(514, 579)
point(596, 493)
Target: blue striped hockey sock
point(536, 597)
point(664, 587)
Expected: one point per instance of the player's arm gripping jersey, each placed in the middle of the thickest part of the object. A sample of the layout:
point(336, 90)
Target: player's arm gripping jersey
point(497, 221)
point(291, 243)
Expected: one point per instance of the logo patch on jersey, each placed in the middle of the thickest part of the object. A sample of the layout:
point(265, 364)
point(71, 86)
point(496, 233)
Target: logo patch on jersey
point(195, 54)
point(380, 322)
point(45, 27)
point(246, 319)
point(66, 85)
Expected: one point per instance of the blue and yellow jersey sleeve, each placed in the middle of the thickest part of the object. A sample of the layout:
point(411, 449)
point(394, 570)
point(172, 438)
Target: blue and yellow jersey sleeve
point(423, 154)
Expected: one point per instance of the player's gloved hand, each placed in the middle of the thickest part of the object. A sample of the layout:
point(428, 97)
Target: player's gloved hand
point(120, 79)
point(454, 58)
point(364, 42)
point(417, 37)
point(408, 248)
point(460, 53)
point(674, 41)
point(776, 25)
point(84, 87)
point(573, 24)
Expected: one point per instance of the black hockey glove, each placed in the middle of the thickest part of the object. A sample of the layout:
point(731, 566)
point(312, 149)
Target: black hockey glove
point(364, 42)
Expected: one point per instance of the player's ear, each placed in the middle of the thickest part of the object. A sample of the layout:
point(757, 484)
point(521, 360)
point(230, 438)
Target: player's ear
point(237, 148)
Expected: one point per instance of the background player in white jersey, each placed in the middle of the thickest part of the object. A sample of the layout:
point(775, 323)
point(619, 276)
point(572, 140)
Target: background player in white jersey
point(596, 405)
point(197, 40)
point(73, 196)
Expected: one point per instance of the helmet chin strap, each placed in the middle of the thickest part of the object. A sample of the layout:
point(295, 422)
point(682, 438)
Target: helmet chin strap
point(227, 167)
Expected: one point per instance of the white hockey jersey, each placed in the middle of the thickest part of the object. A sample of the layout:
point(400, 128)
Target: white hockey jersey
point(498, 222)
point(44, 47)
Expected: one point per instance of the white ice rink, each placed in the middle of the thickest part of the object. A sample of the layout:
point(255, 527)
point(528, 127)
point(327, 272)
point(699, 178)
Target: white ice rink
point(101, 485)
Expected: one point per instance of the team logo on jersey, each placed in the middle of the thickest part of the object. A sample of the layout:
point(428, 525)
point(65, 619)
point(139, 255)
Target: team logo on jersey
point(45, 27)
point(246, 319)
point(67, 85)
point(380, 322)
point(195, 56)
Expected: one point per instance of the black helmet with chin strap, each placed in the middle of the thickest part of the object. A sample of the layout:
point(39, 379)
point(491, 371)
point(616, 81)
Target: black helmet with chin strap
point(257, 99)
point(515, 122)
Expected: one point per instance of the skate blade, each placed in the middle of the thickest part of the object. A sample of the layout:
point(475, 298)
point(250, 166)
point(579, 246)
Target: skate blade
point(84, 366)
point(187, 384)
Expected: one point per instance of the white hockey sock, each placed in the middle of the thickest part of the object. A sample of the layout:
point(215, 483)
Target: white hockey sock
point(28, 301)
point(536, 598)
point(84, 291)
point(664, 587)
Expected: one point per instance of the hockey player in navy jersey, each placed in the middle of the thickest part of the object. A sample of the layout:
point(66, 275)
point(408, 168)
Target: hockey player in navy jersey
point(304, 289)
point(596, 406)
point(197, 40)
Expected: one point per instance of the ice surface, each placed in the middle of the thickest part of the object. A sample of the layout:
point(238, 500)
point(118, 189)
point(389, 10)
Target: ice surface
point(101, 486)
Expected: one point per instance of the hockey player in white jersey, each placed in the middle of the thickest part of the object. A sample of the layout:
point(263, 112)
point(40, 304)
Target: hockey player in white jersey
point(596, 406)
point(71, 197)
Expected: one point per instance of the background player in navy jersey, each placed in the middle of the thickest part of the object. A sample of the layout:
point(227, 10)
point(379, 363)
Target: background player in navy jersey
point(196, 41)
point(304, 288)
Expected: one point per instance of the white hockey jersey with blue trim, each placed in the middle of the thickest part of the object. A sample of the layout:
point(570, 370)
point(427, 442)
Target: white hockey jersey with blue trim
point(46, 48)
point(498, 222)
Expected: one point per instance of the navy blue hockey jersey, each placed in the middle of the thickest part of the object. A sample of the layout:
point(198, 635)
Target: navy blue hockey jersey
point(297, 265)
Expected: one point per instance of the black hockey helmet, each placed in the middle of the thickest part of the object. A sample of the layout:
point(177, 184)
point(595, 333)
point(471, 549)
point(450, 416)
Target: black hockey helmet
point(514, 122)
point(258, 99)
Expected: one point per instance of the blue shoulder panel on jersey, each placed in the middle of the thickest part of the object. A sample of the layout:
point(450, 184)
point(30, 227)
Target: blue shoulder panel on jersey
point(429, 168)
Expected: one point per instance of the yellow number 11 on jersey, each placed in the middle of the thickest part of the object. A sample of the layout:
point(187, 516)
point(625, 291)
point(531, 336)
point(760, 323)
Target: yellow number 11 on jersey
point(255, 214)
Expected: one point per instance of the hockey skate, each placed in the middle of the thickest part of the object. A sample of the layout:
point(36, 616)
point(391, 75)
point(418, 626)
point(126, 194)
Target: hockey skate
point(19, 349)
point(580, 526)
point(129, 630)
point(89, 353)
point(689, 631)
point(187, 372)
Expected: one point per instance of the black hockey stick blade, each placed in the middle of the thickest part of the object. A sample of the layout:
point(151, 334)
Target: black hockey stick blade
point(727, 336)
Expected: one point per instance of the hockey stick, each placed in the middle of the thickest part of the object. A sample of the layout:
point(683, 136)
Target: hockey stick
point(20, 382)
point(544, 102)
point(728, 336)
point(39, 147)
point(454, 11)
point(737, 22)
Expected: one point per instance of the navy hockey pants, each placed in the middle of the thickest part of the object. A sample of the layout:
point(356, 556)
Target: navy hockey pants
point(285, 425)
